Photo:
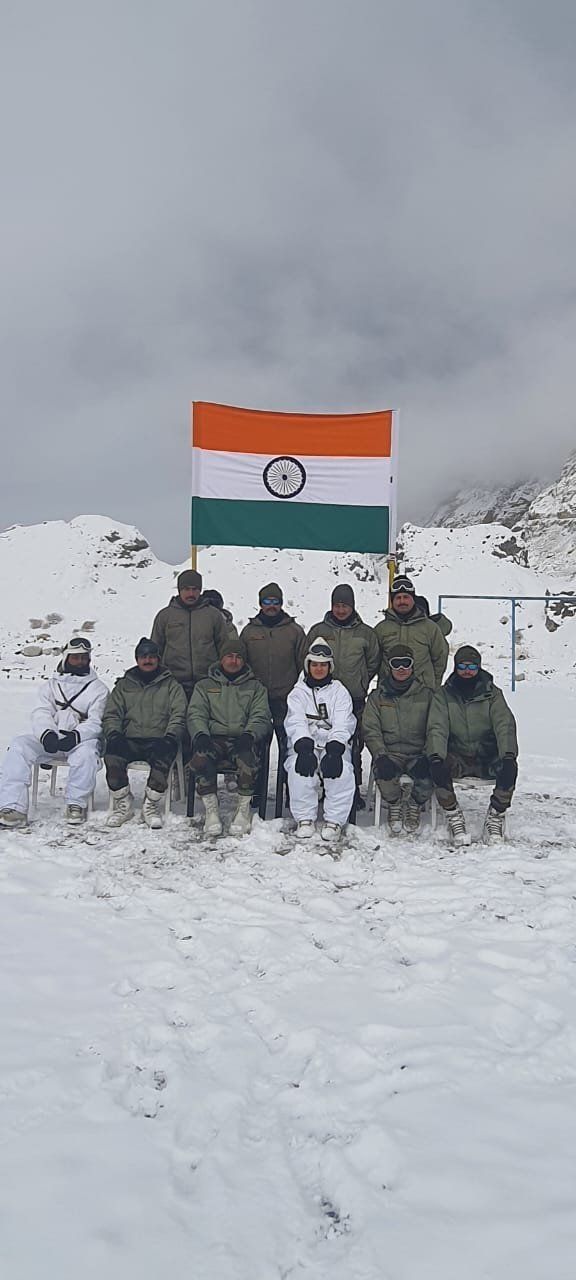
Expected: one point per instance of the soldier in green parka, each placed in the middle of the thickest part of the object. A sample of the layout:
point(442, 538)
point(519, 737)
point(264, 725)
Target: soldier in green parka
point(228, 721)
point(404, 623)
point(472, 733)
point(394, 725)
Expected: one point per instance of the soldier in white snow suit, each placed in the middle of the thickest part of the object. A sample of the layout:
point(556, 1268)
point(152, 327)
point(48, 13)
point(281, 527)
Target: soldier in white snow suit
point(320, 724)
point(67, 726)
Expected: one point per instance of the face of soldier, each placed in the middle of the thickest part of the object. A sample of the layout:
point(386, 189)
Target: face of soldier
point(231, 663)
point(270, 607)
point(318, 670)
point(148, 662)
point(402, 603)
point(189, 595)
point(342, 611)
point(400, 674)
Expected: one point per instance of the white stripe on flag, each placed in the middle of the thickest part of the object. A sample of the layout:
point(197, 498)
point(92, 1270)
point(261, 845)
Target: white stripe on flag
point(354, 482)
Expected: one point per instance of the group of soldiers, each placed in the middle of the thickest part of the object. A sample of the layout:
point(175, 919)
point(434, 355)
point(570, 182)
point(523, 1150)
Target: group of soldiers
point(218, 695)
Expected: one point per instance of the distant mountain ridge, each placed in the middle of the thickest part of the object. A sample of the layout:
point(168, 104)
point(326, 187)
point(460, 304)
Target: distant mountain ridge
point(506, 504)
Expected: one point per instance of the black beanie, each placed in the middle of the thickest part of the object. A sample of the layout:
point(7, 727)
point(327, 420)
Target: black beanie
point(399, 651)
point(467, 653)
point(189, 578)
point(343, 594)
point(233, 644)
point(403, 586)
point(271, 591)
point(146, 649)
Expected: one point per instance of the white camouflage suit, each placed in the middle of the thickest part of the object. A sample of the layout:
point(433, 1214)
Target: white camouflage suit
point(88, 695)
point(306, 719)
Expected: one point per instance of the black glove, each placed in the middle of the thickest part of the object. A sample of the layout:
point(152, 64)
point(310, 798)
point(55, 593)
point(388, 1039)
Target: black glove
point(203, 743)
point(421, 769)
point(507, 773)
point(165, 748)
point(386, 768)
point(440, 773)
point(114, 743)
point(246, 741)
point(204, 764)
point(306, 762)
point(50, 741)
point(68, 740)
point(331, 763)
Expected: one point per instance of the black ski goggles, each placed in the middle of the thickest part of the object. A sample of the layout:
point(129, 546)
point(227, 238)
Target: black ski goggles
point(401, 664)
point(78, 644)
point(320, 653)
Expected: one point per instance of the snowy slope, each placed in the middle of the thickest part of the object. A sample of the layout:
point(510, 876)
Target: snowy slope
point(502, 504)
point(549, 526)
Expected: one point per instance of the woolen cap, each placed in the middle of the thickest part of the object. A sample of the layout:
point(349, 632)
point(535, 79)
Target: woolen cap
point(467, 653)
point(402, 586)
point(146, 649)
point(233, 644)
point(343, 594)
point(399, 651)
point(189, 578)
point(271, 592)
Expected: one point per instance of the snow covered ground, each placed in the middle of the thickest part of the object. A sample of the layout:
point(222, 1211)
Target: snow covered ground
point(253, 1062)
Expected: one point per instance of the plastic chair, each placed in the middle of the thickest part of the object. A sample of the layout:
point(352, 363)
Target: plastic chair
point(406, 783)
point(223, 770)
point(52, 769)
point(176, 774)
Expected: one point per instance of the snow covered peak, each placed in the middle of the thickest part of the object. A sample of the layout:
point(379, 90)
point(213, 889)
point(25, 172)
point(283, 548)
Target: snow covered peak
point(505, 505)
point(549, 525)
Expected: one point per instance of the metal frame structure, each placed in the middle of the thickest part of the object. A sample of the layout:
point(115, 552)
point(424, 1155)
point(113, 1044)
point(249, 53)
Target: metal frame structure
point(513, 600)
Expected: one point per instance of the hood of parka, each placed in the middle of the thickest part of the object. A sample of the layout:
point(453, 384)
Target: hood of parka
point(469, 690)
point(134, 674)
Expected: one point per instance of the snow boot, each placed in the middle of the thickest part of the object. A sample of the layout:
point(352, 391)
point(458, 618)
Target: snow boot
point(494, 827)
point(457, 827)
point(305, 830)
point(242, 820)
point(412, 815)
point(123, 807)
point(12, 818)
point(212, 822)
point(151, 809)
point(331, 832)
point(76, 814)
point(359, 801)
point(395, 818)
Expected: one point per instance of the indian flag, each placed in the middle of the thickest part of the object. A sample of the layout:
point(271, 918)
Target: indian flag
point(318, 481)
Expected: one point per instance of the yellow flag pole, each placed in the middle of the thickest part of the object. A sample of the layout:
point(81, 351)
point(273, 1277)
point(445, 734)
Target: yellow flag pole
point(193, 549)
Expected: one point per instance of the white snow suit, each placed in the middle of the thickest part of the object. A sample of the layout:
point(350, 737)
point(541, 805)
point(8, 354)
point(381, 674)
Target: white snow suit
point(66, 702)
point(324, 714)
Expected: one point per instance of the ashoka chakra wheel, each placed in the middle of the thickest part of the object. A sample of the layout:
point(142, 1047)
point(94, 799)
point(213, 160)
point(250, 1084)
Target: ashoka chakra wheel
point(284, 477)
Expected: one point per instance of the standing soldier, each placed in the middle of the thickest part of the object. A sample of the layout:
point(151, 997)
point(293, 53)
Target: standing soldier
point(404, 623)
point(276, 648)
point(189, 632)
point(356, 660)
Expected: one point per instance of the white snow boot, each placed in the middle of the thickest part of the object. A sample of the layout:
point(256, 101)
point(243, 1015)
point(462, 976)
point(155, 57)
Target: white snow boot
point(12, 818)
point(242, 820)
point(123, 807)
point(395, 818)
point(457, 827)
point(305, 830)
point(151, 809)
point(331, 832)
point(412, 815)
point(76, 814)
point(212, 821)
point(494, 827)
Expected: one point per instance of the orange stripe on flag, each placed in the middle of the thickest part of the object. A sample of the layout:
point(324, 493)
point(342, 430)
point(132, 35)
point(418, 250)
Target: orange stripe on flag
point(343, 435)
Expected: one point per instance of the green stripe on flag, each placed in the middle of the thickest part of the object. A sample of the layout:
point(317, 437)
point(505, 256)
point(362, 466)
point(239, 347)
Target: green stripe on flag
point(223, 522)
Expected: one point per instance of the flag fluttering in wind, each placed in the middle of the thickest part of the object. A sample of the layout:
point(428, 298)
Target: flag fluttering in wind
point(323, 482)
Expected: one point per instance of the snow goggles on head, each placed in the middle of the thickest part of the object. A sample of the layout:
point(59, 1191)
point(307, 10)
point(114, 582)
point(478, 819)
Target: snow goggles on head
point(401, 664)
point(320, 653)
point(467, 666)
point(78, 644)
point(271, 600)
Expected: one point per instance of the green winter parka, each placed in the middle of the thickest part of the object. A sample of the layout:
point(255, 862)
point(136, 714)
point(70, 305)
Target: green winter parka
point(356, 651)
point(145, 709)
point(481, 727)
point(190, 639)
point(422, 636)
point(395, 719)
point(276, 653)
point(226, 708)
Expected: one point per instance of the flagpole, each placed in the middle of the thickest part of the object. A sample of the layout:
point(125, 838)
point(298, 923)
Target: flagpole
point(193, 549)
point(393, 550)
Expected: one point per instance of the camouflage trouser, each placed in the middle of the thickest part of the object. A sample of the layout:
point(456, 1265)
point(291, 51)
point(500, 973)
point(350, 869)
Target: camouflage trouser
point(390, 788)
point(158, 753)
point(225, 755)
point(470, 767)
point(358, 705)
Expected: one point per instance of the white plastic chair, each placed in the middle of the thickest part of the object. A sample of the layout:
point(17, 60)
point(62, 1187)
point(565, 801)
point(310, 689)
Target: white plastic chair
point(176, 772)
point(52, 769)
point(406, 783)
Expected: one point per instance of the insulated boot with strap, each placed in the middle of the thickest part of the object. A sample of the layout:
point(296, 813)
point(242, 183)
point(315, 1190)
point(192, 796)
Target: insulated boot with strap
point(457, 827)
point(331, 832)
point(76, 814)
point(212, 821)
point(123, 808)
point(242, 820)
point(151, 808)
point(13, 818)
point(494, 827)
point(304, 830)
point(395, 818)
point(412, 815)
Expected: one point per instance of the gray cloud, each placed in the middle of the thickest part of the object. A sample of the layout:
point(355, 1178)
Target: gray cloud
point(310, 206)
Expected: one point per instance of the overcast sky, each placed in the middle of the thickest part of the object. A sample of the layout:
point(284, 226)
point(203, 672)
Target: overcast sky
point(306, 205)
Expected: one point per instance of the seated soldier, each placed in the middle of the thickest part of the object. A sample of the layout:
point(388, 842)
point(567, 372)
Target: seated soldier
point(320, 725)
point(67, 724)
point(472, 734)
point(228, 721)
point(144, 719)
point(394, 723)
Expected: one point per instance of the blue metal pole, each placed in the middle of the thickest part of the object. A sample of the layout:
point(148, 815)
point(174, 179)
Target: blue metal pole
point(513, 643)
point(440, 599)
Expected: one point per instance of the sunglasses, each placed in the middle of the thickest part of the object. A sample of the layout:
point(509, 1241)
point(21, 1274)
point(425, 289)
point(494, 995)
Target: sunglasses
point(401, 664)
point(467, 666)
point(271, 600)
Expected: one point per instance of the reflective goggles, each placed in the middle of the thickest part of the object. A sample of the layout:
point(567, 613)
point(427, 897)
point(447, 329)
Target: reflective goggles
point(401, 664)
point(467, 666)
point(78, 644)
point(320, 653)
point(271, 600)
